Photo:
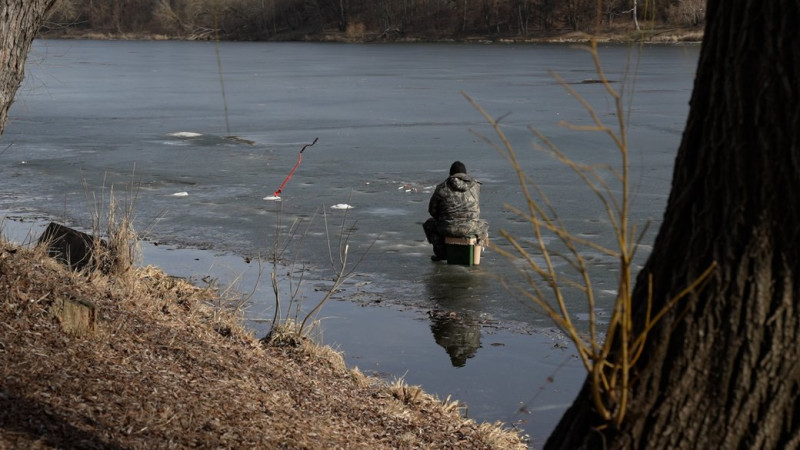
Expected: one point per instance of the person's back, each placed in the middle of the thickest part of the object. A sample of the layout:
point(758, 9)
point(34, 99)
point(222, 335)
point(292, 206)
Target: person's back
point(458, 197)
point(455, 210)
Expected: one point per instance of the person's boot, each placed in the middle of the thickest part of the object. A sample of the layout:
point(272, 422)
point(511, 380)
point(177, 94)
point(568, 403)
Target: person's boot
point(439, 253)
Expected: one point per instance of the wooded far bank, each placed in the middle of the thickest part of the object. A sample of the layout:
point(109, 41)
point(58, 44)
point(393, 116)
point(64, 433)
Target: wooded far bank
point(376, 20)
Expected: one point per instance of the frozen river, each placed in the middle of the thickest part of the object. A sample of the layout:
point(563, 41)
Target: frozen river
point(390, 119)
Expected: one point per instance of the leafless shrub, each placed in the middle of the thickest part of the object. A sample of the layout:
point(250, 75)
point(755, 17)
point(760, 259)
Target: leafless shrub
point(607, 360)
point(687, 12)
point(339, 255)
point(356, 31)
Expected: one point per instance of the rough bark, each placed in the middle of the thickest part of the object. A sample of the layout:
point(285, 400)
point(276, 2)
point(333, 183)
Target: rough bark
point(19, 22)
point(722, 370)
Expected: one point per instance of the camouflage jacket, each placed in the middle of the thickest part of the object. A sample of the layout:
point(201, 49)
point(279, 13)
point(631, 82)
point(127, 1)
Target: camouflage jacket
point(455, 205)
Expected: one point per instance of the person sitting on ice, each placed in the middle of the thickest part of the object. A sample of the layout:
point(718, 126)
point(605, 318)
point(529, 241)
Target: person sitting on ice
point(455, 211)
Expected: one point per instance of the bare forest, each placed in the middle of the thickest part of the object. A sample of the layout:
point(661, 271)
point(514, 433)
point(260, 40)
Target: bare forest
point(363, 20)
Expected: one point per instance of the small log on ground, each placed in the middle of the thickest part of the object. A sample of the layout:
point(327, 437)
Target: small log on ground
point(77, 316)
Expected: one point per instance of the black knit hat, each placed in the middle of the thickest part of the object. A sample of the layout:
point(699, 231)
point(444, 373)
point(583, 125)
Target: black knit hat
point(458, 167)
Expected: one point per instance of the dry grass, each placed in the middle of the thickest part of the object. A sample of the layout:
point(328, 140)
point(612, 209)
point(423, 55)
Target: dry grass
point(164, 369)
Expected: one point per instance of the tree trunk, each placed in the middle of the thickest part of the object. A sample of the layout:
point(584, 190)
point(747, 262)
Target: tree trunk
point(722, 369)
point(19, 22)
point(464, 19)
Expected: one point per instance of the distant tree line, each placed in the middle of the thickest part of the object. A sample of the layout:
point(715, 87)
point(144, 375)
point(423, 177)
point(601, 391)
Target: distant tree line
point(365, 19)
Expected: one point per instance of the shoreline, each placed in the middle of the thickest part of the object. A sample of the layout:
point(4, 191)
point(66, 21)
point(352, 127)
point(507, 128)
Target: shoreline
point(163, 363)
point(209, 268)
point(663, 35)
point(220, 267)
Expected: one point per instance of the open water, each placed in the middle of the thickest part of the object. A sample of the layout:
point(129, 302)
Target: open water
point(202, 146)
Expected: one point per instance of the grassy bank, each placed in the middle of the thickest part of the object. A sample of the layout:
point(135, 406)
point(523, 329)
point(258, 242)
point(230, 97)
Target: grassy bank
point(139, 359)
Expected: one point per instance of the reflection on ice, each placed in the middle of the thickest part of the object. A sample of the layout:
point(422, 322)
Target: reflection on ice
point(457, 316)
point(458, 333)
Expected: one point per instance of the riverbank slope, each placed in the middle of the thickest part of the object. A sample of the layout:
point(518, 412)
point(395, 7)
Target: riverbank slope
point(144, 360)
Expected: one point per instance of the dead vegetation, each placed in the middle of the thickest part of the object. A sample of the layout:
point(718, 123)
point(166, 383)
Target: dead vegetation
point(360, 20)
point(159, 367)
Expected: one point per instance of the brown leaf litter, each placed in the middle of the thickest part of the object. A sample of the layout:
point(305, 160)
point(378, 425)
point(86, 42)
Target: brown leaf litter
point(153, 364)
